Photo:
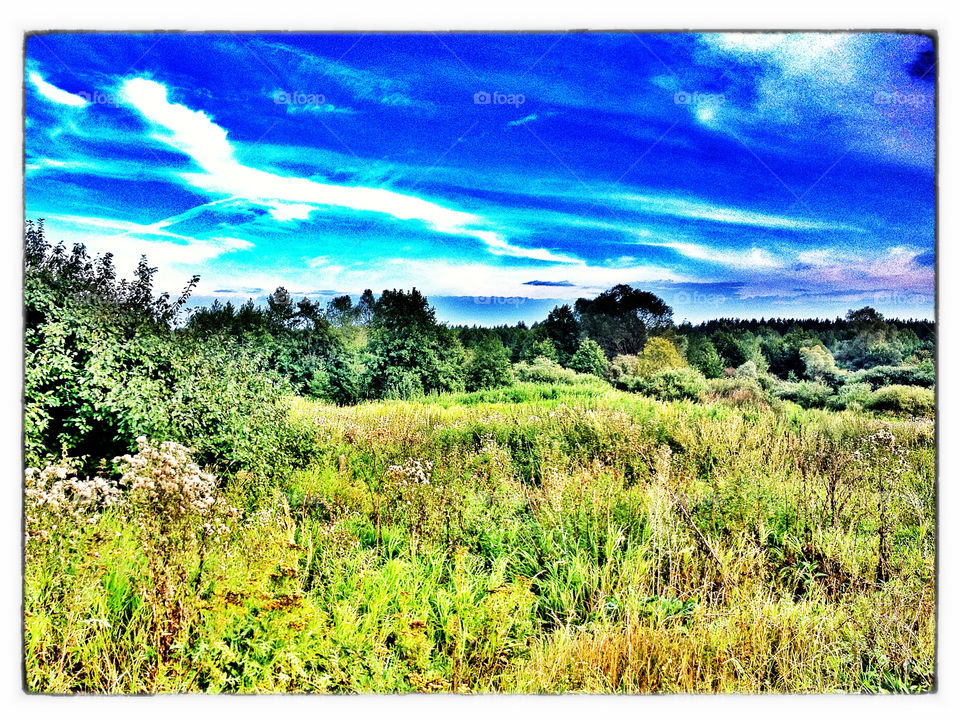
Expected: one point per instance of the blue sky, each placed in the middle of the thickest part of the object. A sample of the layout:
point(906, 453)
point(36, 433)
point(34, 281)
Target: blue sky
point(732, 174)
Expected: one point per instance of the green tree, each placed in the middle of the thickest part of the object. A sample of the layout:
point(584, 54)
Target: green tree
point(819, 365)
point(589, 359)
point(702, 355)
point(541, 348)
point(366, 307)
point(621, 318)
point(410, 353)
point(658, 354)
point(562, 328)
point(489, 367)
point(341, 312)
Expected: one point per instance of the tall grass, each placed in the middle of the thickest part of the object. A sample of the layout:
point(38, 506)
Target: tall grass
point(530, 539)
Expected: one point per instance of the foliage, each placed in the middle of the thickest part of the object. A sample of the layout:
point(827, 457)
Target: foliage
point(548, 371)
point(544, 349)
point(922, 375)
point(621, 318)
point(738, 391)
point(410, 353)
point(682, 383)
point(103, 366)
point(904, 399)
point(806, 394)
point(851, 396)
point(489, 367)
point(702, 354)
point(589, 359)
point(562, 328)
point(819, 365)
point(658, 354)
point(564, 541)
point(550, 535)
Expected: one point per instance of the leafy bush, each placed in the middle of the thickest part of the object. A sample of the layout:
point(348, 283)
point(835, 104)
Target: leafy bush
point(104, 366)
point(922, 375)
point(851, 396)
point(543, 370)
point(658, 354)
point(544, 348)
point(903, 399)
point(622, 368)
point(805, 394)
point(673, 384)
point(736, 391)
point(702, 355)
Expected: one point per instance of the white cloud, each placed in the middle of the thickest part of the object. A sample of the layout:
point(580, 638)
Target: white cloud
point(439, 277)
point(55, 94)
point(678, 207)
point(754, 258)
point(177, 257)
point(195, 134)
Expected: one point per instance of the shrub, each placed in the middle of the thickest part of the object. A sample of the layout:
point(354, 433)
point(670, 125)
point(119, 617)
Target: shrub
point(56, 502)
point(922, 375)
point(805, 394)
point(819, 365)
point(541, 349)
point(903, 399)
point(674, 384)
point(702, 355)
point(736, 391)
point(621, 368)
point(547, 371)
point(747, 370)
point(851, 396)
point(178, 512)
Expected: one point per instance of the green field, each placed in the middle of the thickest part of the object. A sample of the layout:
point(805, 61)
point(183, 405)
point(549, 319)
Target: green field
point(536, 538)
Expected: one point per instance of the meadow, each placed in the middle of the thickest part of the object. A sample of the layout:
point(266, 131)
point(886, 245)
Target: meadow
point(536, 538)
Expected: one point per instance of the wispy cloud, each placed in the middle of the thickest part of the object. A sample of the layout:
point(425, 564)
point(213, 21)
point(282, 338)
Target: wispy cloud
point(55, 94)
point(699, 210)
point(194, 133)
point(523, 120)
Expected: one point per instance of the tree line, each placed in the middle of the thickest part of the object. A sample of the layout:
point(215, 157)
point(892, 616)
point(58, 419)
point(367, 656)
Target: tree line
point(107, 359)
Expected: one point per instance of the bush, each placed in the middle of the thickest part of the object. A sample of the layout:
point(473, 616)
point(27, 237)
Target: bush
point(104, 366)
point(658, 354)
point(543, 370)
point(674, 384)
point(851, 396)
point(922, 375)
point(805, 394)
point(621, 368)
point(541, 349)
point(903, 399)
point(702, 355)
point(736, 391)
